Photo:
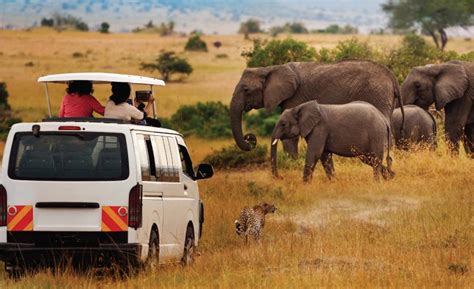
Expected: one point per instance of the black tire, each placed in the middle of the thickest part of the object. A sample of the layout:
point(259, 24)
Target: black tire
point(189, 248)
point(153, 258)
point(14, 271)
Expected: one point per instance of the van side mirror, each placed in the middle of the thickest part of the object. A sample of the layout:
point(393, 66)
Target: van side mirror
point(204, 171)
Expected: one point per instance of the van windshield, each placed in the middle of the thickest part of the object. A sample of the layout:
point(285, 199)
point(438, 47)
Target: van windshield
point(81, 156)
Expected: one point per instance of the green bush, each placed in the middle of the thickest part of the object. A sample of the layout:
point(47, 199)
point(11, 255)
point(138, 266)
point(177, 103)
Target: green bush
point(278, 52)
point(104, 27)
point(207, 120)
point(233, 157)
point(250, 26)
point(415, 51)
point(4, 97)
point(167, 64)
point(60, 22)
point(7, 118)
point(295, 28)
point(195, 43)
point(336, 29)
point(262, 122)
point(348, 49)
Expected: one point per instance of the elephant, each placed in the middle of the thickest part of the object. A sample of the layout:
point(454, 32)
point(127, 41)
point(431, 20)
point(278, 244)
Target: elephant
point(295, 83)
point(450, 86)
point(420, 127)
point(352, 129)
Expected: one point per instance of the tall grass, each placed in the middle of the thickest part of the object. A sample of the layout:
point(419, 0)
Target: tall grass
point(413, 231)
point(416, 230)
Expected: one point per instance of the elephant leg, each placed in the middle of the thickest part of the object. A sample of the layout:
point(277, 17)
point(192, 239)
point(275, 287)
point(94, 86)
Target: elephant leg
point(457, 113)
point(290, 146)
point(373, 161)
point(314, 152)
point(331, 163)
point(469, 139)
point(326, 160)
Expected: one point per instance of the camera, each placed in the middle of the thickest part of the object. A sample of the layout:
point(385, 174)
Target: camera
point(143, 95)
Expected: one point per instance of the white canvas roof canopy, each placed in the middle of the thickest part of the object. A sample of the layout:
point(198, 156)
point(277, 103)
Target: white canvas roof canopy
point(99, 78)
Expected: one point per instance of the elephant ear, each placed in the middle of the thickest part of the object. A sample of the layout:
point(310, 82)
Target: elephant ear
point(280, 84)
point(452, 82)
point(308, 116)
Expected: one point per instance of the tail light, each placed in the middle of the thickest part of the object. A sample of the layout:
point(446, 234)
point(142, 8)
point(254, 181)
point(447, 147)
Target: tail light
point(135, 205)
point(69, 127)
point(3, 206)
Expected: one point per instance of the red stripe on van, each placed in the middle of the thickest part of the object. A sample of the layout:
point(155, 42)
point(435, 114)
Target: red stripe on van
point(20, 218)
point(112, 221)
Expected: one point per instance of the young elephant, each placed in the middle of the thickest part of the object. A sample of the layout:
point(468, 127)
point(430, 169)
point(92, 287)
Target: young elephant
point(420, 127)
point(352, 129)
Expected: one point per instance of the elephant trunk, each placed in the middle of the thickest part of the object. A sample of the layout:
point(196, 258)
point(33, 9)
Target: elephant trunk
point(273, 156)
point(236, 111)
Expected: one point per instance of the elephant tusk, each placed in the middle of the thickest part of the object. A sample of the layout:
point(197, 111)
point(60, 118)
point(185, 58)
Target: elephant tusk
point(275, 142)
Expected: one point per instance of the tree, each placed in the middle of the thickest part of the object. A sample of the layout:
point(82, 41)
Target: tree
point(250, 26)
point(295, 28)
point(195, 43)
point(45, 22)
point(167, 64)
point(278, 52)
point(7, 118)
point(336, 29)
point(104, 27)
point(432, 16)
point(60, 22)
point(4, 97)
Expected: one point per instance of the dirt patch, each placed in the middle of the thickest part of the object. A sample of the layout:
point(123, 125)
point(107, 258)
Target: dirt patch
point(333, 211)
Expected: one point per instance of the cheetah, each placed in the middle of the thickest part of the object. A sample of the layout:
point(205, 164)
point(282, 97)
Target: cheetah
point(252, 221)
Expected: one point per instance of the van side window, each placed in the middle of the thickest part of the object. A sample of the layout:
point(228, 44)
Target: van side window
point(186, 163)
point(166, 159)
point(151, 158)
point(144, 157)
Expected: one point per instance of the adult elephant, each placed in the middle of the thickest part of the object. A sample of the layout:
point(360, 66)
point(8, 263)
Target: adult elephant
point(450, 86)
point(294, 83)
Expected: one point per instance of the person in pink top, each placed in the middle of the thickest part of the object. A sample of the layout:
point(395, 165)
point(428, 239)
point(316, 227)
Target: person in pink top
point(79, 102)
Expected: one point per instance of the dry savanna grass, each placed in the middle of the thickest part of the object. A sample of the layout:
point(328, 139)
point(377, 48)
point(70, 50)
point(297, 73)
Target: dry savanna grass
point(416, 230)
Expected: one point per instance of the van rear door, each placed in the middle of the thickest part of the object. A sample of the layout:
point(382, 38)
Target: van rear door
point(67, 181)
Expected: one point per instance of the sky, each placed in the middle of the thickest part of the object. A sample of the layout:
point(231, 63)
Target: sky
point(210, 16)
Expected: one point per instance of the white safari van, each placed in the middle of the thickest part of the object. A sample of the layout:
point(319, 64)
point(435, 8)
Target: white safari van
point(98, 189)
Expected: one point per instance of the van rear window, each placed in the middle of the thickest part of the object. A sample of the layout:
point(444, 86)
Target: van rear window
point(79, 156)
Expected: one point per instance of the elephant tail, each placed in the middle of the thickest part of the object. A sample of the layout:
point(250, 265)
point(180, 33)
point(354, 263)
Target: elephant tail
point(389, 159)
point(434, 137)
point(398, 96)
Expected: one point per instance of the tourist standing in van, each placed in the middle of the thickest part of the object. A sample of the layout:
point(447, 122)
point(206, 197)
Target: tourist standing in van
point(79, 102)
point(118, 107)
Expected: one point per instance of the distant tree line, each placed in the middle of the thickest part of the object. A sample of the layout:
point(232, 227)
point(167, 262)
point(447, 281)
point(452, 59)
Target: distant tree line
point(336, 29)
point(253, 26)
point(67, 21)
point(164, 29)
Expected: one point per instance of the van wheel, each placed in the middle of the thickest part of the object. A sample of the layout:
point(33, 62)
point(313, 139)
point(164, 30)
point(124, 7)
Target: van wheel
point(152, 260)
point(14, 272)
point(189, 248)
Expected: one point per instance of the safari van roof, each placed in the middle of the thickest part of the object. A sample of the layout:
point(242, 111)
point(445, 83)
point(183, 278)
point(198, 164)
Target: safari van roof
point(92, 125)
point(100, 77)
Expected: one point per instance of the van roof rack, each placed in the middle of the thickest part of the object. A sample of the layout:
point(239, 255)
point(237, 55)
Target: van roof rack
point(100, 78)
point(85, 119)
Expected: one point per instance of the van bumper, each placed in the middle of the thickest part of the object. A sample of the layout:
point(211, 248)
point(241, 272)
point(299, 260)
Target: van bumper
point(22, 252)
